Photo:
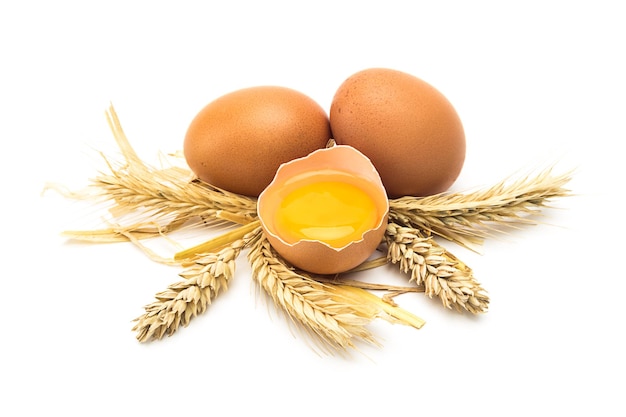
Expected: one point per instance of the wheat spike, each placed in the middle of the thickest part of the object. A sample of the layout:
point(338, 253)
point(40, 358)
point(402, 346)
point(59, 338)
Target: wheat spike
point(162, 200)
point(429, 264)
point(468, 218)
point(184, 300)
point(322, 310)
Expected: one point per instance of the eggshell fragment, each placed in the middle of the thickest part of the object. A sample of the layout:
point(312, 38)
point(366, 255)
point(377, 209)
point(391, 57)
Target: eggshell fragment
point(313, 255)
point(238, 141)
point(408, 128)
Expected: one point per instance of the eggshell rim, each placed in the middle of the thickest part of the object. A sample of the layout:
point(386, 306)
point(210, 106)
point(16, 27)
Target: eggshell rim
point(376, 179)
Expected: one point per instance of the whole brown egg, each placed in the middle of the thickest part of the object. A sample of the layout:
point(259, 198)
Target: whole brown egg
point(238, 141)
point(409, 130)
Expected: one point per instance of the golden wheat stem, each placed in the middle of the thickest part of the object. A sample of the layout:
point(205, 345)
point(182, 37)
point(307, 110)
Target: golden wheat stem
point(359, 295)
point(217, 242)
point(370, 264)
point(369, 285)
point(120, 137)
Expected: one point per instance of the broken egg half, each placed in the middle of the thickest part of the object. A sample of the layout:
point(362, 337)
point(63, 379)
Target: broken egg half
point(325, 213)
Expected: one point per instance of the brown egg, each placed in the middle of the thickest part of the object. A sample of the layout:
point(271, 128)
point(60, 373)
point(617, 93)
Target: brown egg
point(327, 212)
point(409, 130)
point(238, 141)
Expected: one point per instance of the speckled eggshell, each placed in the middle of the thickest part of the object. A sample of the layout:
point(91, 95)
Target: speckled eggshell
point(238, 141)
point(409, 130)
point(315, 256)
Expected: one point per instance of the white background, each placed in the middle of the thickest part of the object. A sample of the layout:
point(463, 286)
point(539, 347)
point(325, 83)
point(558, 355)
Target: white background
point(535, 83)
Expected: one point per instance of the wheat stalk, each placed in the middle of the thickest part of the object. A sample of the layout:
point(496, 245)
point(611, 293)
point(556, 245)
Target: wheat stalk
point(468, 218)
point(335, 315)
point(184, 300)
point(430, 265)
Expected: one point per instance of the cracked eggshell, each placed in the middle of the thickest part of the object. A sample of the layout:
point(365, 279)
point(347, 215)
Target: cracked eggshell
point(316, 256)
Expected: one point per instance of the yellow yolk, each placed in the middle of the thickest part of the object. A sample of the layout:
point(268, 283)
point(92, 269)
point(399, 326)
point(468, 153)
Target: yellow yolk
point(333, 212)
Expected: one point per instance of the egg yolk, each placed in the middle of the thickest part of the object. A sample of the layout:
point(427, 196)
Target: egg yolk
point(333, 212)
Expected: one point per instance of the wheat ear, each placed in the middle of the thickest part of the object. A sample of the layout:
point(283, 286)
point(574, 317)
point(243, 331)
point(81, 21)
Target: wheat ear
point(441, 273)
point(468, 218)
point(180, 302)
point(335, 315)
point(161, 200)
